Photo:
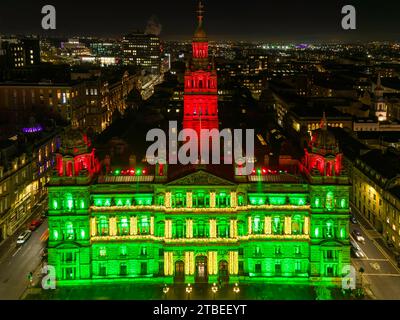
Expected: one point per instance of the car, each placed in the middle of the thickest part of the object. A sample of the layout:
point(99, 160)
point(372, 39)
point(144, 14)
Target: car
point(353, 219)
point(23, 237)
point(356, 250)
point(358, 236)
point(35, 224)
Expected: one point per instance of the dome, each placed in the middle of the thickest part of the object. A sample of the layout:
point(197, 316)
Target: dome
point(74, 141)
point(324, 141)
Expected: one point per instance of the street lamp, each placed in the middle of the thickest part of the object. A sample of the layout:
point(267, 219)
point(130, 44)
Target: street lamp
point(236, 290)
point(189, 290)
point(165, 290)
point(214, 289)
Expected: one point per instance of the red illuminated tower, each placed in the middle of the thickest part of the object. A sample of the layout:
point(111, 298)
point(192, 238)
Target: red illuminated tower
point(201, 95)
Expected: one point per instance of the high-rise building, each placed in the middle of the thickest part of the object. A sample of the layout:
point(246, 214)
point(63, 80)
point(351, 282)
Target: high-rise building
point(201, 93)
point(142, 50)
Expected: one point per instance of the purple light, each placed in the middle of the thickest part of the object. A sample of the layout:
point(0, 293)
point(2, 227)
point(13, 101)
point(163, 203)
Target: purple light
point(37, 128)
point(302, 46)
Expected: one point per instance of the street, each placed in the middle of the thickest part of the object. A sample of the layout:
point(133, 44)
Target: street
point(17, 262)
point(381, 272)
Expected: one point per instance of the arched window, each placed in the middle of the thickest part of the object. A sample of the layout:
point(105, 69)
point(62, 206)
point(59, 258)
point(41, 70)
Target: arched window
point(103, 227)
point(123, 226)
point(69, 233)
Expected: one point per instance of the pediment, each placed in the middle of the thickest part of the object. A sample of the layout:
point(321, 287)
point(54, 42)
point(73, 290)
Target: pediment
point(200, 178)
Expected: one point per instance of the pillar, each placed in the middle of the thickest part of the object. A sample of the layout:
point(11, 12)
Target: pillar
point(168, 229)
point(233, 228)
point(168, 263)
point(233, 262)
point(189, 199)
point(167, 201)
point(133, 227)
point(249, 226)
point(233, 199)
point(93, 227)
point(306, 227)
point(288, 225)
point(268, 225)
point(212, 263)
point(189, 228)
point(113, 226)
point(212, 199)
point(189, 263)
point(152, 225)
point(213, 228)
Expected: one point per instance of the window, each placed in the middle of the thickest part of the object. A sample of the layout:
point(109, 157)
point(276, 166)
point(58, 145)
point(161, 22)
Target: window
point(123, 269)
point(69, 231)
point(278, 268)
point(297, 266)
point(276, 226)
point(278, 250)
point(103, 226)
point(123, 251)
point(257, 268)
point(102, 252)
point(297, 250)
point(144, 225)
point(143, 268)
point(257, 251)
point(258, 226)
point(143, 251)
point(102, 270)
point(329, 254)
point(124, 226)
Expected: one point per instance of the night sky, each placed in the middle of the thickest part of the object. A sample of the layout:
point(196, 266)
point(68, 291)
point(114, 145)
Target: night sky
point(266, 20)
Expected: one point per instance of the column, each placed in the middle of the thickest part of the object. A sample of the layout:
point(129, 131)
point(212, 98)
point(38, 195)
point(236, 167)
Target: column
point(213, 228)
point(93, 227)
point(233, 199)
point(233, 228)
point(212, 263)
point(189, 199)
point(167, 201)
point(152, 225)
point(306, 227)
point(212, 199)
point(288, 225)
point(168, 229)
point(267, 225)
point(168, 263)
point(189, 228)
point(249, 227)
point(233, 262)
point(189, 263)
point(133, 227)
point(113, 226)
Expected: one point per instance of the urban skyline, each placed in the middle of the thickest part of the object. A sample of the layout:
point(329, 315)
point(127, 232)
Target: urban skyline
point(107, 189)
point(284, 21)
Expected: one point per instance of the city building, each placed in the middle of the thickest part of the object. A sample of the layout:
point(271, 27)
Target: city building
point(26, 162)
point(142, 50)
point(287, 223)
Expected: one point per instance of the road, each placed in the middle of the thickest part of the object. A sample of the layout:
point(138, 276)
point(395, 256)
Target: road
point(381, 271)
point(17, 262)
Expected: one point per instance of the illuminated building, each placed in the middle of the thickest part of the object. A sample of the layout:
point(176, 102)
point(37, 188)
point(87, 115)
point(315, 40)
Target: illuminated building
point(142, 50)
point(173, 224)
point(143, 224)
point(24, 174)
point(201, 95)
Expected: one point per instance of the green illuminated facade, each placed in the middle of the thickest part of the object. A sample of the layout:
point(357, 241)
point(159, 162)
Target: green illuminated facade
point(142, 225)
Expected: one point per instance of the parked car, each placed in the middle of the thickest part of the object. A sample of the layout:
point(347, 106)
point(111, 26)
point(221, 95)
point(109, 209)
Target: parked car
point(23, 237)
point(35, 224)
point(358, 236)
point(353, 219)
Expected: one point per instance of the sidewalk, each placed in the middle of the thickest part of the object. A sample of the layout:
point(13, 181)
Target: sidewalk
point(36, 287)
